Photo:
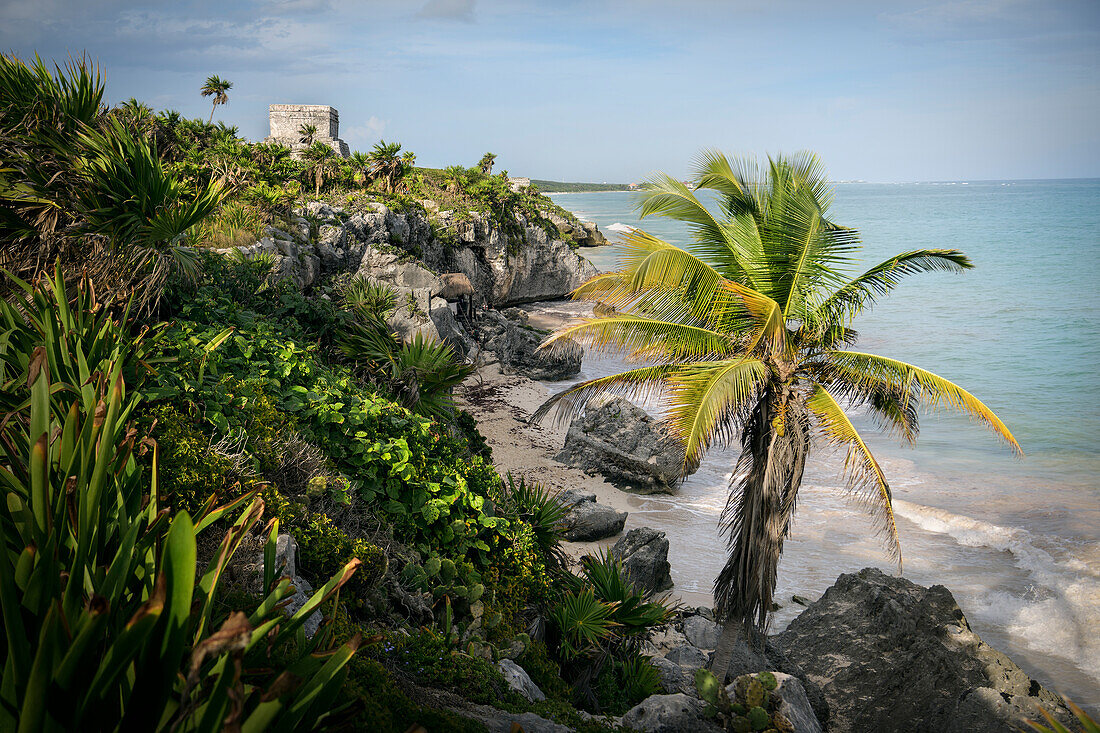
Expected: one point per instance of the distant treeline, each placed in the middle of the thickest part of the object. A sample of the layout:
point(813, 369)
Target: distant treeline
point(563, 187)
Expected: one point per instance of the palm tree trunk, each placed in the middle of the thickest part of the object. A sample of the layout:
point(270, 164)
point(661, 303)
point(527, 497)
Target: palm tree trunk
point(719, 666)
point(212, 108)
point(757, 517)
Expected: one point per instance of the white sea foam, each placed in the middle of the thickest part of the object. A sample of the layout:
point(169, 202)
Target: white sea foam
point(1059, 612)
point(620, 228)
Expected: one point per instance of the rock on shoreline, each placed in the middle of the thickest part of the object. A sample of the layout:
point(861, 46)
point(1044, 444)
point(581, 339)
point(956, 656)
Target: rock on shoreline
point(891, 655)
point(620, 441)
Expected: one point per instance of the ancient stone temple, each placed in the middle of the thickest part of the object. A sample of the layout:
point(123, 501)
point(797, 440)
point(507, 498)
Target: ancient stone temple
point(287, 121)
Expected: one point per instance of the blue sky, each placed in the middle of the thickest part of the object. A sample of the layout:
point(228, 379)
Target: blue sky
point(883, 91)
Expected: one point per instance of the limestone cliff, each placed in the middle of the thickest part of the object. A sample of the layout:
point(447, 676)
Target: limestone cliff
point(408, 250)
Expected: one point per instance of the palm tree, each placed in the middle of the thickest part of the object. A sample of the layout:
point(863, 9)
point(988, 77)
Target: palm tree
point(360, 166)
point(486, 163)
point(216, 87)
point(318, 157)
point(747, 329)
point(307, 134)
point(387, 165)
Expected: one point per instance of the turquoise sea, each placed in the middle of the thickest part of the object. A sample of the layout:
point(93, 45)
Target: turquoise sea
point(1017, 540)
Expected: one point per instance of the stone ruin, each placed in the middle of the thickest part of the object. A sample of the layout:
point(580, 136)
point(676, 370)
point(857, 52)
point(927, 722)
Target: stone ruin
point(287, 120)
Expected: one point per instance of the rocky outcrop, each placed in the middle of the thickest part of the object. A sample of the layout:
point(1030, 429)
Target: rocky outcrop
point(623, 443)
point(585, 520)
point(516, 347)
point(583, 233)
point(891, 655)
point(677, 713)
point(644, 555)
point(506, 268)
point(518, 679)
point(507, 265)
point(702, 632)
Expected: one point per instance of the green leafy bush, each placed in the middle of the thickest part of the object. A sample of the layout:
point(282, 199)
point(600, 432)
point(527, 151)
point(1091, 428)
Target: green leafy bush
point(100, 601)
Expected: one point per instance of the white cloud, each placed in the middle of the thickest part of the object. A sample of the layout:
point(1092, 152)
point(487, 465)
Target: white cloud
point(364, 134)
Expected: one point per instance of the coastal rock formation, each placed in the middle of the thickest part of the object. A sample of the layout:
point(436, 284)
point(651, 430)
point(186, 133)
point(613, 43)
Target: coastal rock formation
point(677, 713)
point(644, 555)
point(507, 265)
point(583, 233)
point(628, 447)
point(674, 678)
point(516, 346)
point(894, 656)
point(518, 679)
point(702, 632)
point(585, 520)
point(522, 264)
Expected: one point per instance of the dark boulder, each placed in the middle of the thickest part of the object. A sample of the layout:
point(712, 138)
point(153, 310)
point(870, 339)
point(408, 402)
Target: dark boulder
point(891, 655)
point(585, 520)
point(621, 442)
point(644, 555)
point(516, 347)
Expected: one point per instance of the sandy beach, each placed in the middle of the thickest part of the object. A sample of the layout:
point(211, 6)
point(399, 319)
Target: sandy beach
point(502, 404)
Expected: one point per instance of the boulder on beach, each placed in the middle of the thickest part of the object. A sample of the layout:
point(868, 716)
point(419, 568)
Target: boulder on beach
point(621, 442)
point(585, 520)
point(516, 347)
point(895, 656)
point(644, 555)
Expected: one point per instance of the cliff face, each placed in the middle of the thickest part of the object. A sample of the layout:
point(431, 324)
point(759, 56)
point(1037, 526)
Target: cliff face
point(506, 269)
point(409, 251)
point(405, 250)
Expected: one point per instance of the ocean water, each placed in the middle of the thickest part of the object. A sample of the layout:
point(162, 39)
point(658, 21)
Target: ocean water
point(1017, 540)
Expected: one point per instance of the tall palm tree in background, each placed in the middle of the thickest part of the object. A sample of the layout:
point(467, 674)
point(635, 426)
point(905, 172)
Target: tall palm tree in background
point(747, 330)
point(217, 88)
point(486, 163)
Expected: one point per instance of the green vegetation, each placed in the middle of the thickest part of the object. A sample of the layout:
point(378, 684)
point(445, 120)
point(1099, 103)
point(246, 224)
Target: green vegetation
point(217, 88)
point(748, 328)
point(98, 587)
point(564, 187)
point(752, 708)
point(170, 411)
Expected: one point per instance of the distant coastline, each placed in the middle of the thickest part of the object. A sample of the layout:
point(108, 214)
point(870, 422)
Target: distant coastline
point(566, 187)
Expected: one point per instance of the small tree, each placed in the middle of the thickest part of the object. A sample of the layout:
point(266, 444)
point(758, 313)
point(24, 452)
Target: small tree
point(216, 87)
point(388, 165)
point(307, 134)
point(318, 157)
point(486, 163)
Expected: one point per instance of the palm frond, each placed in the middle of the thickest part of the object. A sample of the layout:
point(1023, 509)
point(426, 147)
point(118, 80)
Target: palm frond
point(644, 336)
point(865, 480)
point(932, 389)
point(861, 291)
point(634, 384)
point(708, 400)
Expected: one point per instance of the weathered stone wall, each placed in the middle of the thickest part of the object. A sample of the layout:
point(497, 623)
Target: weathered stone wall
point(287, 119)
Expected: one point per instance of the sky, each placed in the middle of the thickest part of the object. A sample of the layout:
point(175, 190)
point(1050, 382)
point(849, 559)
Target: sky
point(601, 90)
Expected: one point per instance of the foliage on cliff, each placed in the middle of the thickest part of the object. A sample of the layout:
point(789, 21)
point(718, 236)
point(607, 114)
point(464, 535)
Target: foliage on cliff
point(182, 409)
